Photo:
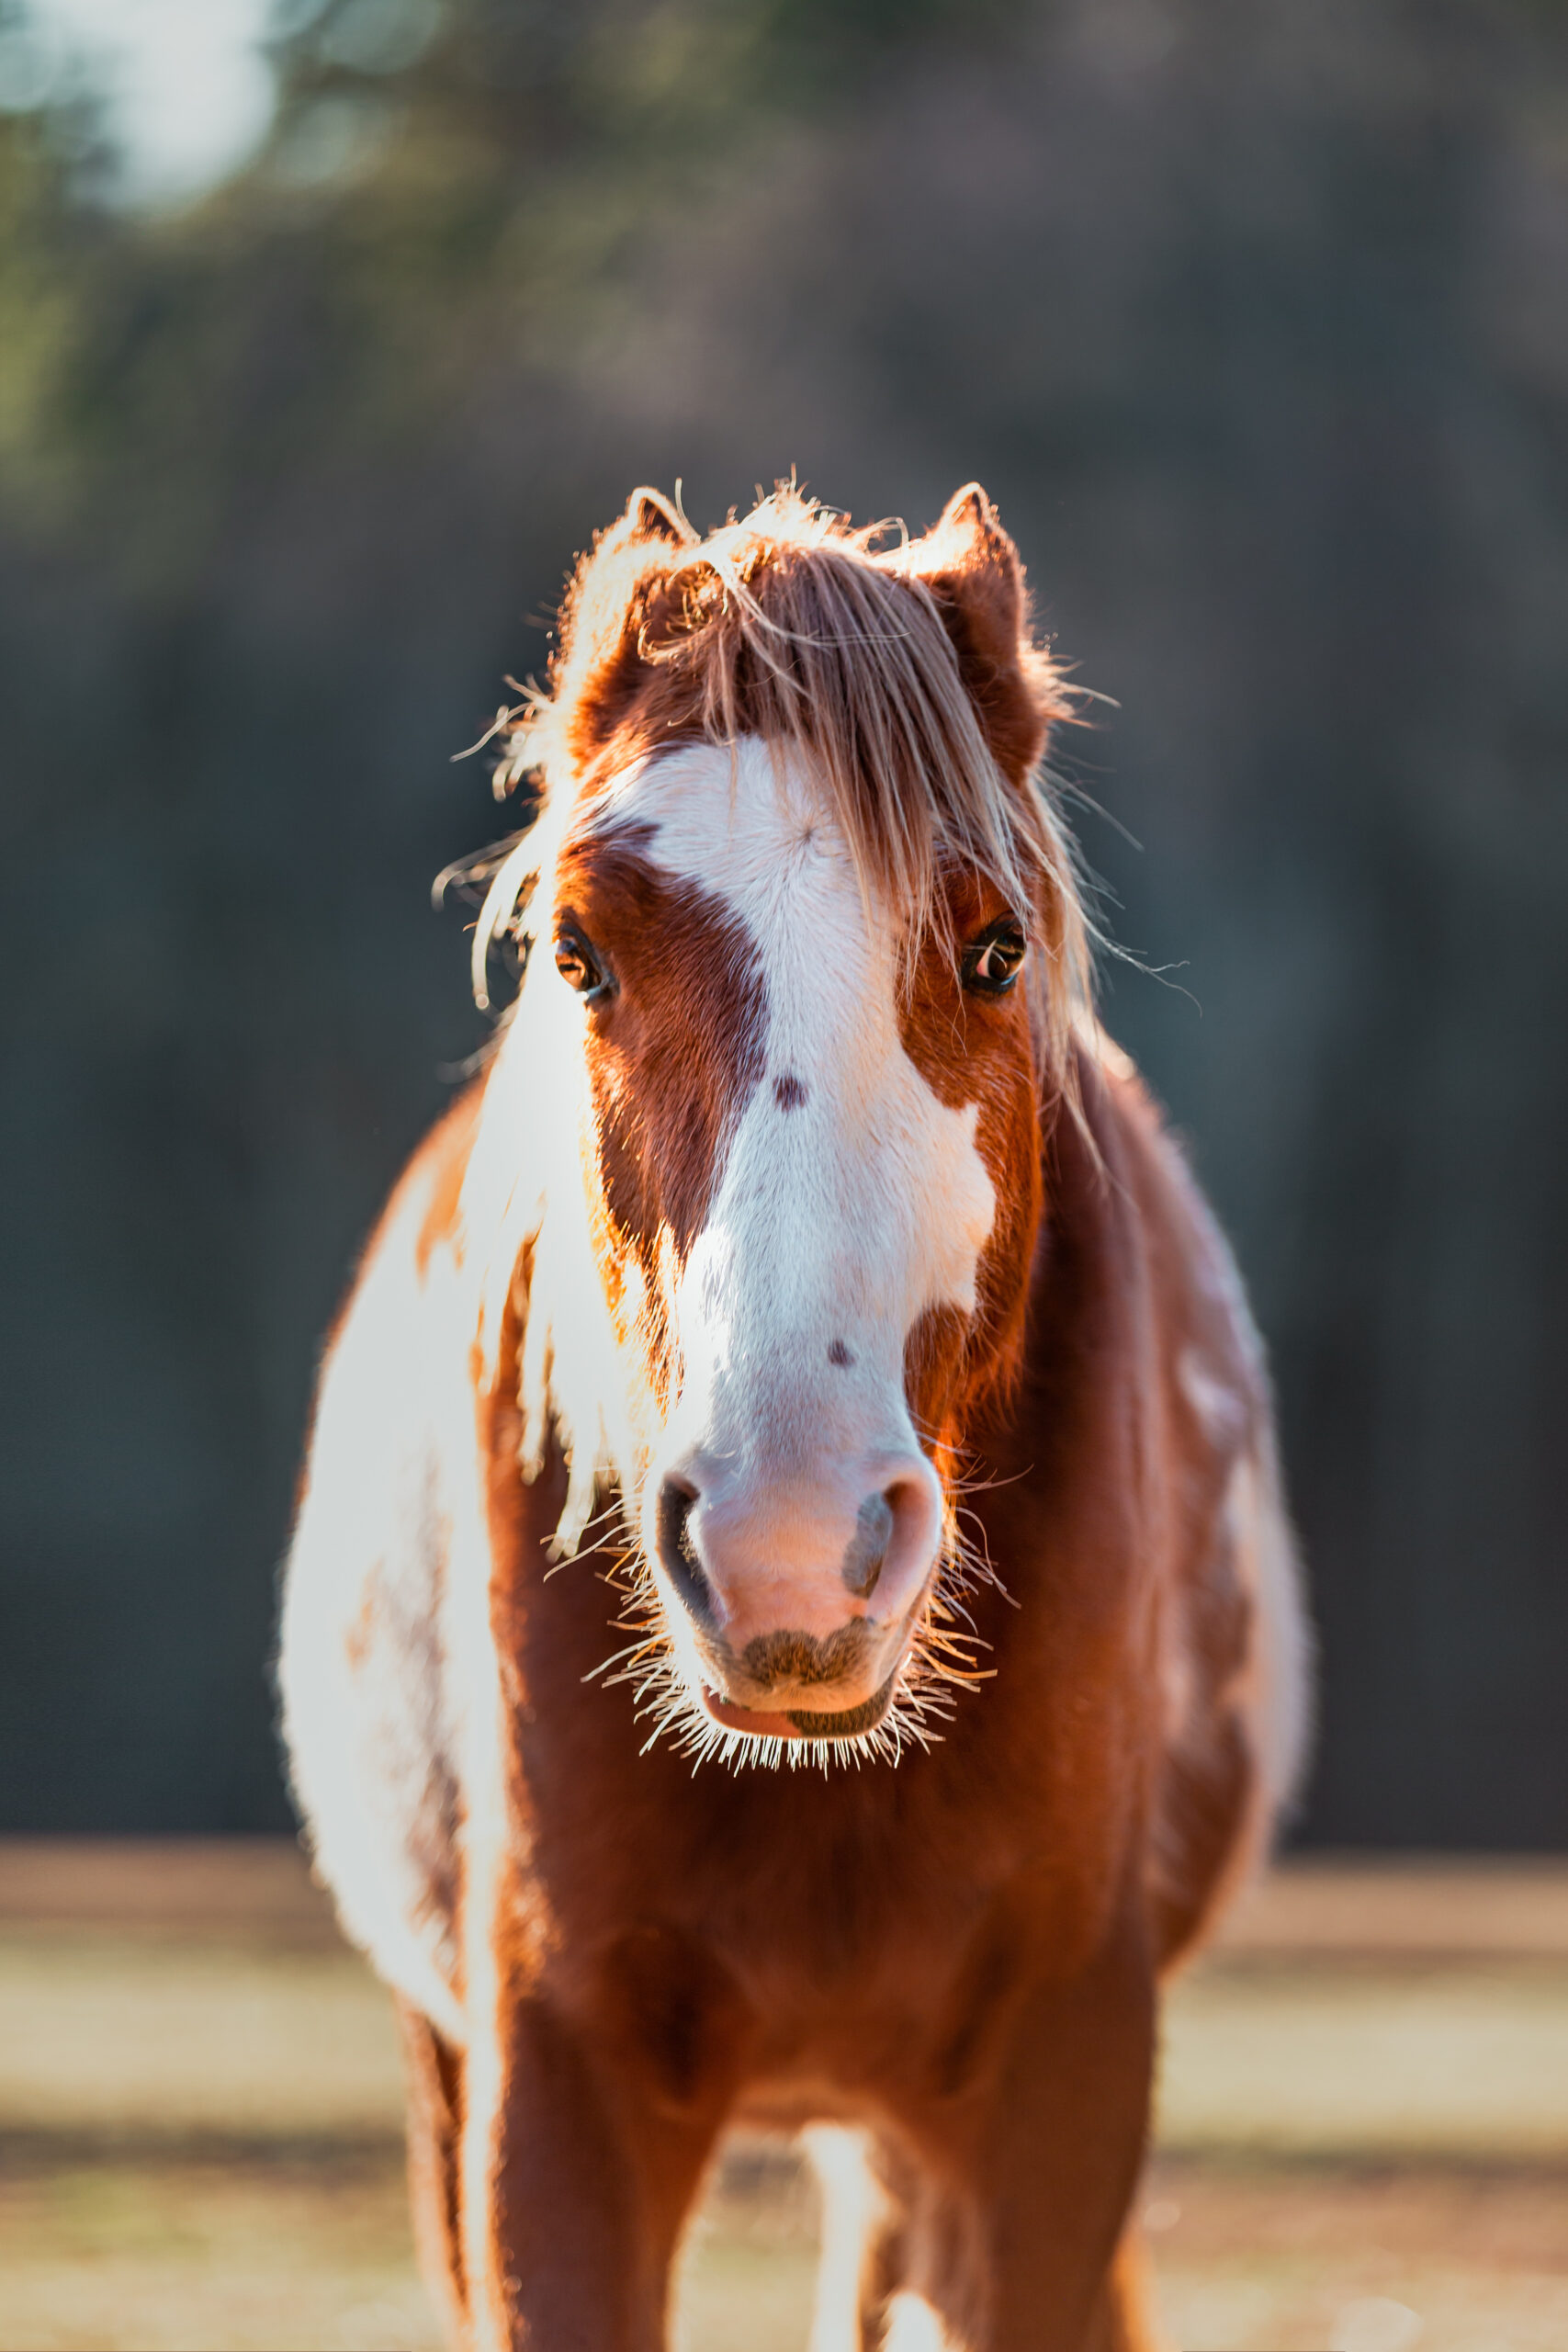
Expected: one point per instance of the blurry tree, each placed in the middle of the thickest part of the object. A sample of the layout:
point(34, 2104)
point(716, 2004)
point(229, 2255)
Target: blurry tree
point(1252, 318)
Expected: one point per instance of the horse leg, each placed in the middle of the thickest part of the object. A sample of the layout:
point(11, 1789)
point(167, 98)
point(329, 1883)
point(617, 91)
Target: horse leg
point(863, 2231)
point(1020, 2244)
point(1132, 2323)
point(1124, 2317)
point(576, 2188)
point(434, 2075)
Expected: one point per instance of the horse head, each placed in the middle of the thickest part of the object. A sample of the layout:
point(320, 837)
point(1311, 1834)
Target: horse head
point(802, 957)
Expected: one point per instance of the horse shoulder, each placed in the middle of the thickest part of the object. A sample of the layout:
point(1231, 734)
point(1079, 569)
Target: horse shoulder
point(368, 1700)
point(1233, 1651)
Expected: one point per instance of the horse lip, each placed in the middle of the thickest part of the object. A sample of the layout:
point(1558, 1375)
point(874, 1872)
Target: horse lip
point(756, 1723)
point(848, 1723)
point(802, 1723)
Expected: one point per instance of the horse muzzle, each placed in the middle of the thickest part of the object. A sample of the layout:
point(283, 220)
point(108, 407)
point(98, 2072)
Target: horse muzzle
point(796, 1603)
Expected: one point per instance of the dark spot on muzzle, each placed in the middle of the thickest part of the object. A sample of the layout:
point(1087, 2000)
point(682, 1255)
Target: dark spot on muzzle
point(801, 1657)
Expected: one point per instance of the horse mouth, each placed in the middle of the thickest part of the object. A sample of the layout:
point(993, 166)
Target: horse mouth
point(802, 1723)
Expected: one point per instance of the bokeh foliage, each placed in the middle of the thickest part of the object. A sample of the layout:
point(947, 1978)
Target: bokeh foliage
point(1252, 317)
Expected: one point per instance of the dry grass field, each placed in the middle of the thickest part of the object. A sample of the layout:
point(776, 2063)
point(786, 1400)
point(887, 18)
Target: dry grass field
point(1363, 2137)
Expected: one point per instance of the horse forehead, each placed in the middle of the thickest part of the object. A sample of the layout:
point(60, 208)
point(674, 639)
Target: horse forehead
point(750, 829)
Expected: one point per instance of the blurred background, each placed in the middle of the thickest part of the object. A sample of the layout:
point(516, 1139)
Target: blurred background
point(329, 331)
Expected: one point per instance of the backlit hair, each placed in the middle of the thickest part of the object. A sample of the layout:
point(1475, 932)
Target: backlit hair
point(829, 643)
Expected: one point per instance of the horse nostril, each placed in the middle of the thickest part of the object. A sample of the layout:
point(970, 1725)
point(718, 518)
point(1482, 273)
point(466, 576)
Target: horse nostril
point(678, 1553)
point(868, 1544)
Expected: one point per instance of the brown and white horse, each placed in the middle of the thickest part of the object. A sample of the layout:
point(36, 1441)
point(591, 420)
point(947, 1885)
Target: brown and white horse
point(800, 1346)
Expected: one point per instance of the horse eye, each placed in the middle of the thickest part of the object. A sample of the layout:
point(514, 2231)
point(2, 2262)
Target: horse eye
point(579, 966)
point(993, 962)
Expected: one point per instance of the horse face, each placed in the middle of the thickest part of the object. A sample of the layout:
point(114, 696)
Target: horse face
point(814, 1185)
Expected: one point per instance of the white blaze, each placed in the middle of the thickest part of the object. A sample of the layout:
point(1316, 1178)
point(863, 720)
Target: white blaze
point(847, 1216)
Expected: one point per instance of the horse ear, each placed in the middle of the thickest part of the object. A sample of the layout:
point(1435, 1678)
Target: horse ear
point(972, 569)
point(600, 665)
point(650, 516)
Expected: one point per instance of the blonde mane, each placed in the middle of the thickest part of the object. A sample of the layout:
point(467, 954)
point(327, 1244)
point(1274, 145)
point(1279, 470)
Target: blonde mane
point(827, 642)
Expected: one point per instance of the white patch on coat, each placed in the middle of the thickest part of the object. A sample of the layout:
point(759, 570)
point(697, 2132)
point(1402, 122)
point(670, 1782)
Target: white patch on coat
point(1231, 1401)
point(1277, 1693)
point(911, 2326)
point(853, 2207)
point(1279, 1687)
point(1222, 1409)
point(386, 1535)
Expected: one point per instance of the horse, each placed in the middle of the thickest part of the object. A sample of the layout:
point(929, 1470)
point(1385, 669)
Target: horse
point(792, 1620)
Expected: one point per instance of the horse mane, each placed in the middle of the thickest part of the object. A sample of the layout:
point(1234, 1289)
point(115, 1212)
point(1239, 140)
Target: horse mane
point(924, 719)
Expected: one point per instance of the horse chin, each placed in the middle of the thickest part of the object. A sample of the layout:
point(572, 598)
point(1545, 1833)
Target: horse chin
point(803, 1722)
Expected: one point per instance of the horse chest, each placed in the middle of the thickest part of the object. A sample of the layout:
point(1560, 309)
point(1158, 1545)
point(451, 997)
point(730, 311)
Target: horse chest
point(808, 1997)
